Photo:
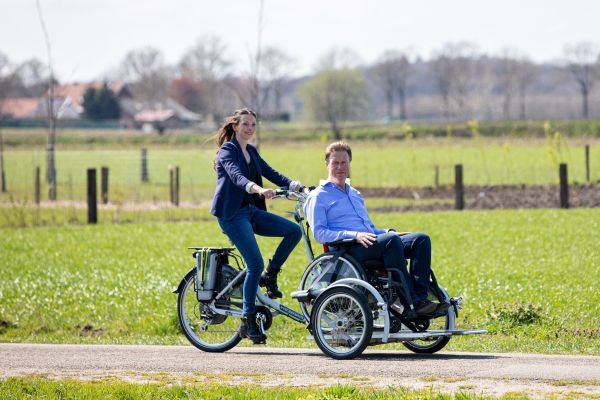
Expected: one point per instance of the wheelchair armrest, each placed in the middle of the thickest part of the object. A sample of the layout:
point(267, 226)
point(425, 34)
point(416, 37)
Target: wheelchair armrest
point(341, 242)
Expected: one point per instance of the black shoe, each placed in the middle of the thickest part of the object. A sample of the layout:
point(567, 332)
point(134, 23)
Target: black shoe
point(425, 307)
point(251, 330)
point(442, 308)
point(269, 279)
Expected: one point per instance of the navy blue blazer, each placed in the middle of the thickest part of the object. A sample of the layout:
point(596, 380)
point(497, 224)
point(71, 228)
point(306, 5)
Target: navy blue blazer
point(232, 178)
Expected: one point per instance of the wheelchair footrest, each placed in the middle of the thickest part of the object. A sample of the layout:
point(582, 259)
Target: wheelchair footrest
point(306, 295)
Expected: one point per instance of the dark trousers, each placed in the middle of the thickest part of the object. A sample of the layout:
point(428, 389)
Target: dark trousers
point(394, 250)
point(241, 229)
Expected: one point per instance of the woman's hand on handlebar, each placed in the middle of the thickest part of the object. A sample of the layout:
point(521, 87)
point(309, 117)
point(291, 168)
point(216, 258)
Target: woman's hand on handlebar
point(267, 193)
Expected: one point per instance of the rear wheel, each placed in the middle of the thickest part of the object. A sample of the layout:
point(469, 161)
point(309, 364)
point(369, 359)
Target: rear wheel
point(204, 328)
point(441, 323)
point(321, 272)
point(342, 322)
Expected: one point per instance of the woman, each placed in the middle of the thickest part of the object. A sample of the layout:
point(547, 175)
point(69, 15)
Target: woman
point(239, 205)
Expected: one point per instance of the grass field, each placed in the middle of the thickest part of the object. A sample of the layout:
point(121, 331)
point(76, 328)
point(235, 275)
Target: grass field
point(40, 388)
point(528, 276)
point(382, 163)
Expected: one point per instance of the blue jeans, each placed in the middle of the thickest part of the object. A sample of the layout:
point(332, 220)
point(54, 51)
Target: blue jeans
point(393, 250)
point(240, 229)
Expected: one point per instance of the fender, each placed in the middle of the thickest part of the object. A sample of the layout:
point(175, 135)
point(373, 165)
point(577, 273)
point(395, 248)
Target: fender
point(185, 279)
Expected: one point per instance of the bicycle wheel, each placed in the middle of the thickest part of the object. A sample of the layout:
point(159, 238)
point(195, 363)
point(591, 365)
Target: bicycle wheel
point(321, 272)
point(205, 329)
point(441, 323)
point(342, 323)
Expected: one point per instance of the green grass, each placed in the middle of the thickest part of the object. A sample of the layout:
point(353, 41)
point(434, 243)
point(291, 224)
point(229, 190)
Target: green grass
point(381, 163)
point(528, 276)
point(40, 388)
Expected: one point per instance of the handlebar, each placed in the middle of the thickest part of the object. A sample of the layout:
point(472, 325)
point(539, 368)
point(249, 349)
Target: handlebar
point(293, 195)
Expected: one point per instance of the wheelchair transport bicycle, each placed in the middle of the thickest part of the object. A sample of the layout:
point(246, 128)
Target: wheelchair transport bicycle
point(345, 306)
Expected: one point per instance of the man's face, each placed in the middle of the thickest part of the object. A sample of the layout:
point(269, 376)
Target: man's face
point(338, 167)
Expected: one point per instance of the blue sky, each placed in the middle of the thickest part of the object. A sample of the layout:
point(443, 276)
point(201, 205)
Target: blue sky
point(91, 37)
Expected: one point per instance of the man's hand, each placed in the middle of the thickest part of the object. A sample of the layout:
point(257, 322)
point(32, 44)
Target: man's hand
point(366, 238)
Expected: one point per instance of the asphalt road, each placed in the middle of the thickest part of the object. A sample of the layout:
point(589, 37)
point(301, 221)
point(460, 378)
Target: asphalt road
point(490, 374)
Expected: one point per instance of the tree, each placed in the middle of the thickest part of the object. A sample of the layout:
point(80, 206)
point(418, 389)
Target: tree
point(149, 75)
point(52, 114)
point(582, 60)
point(334, 96)
point(101, 103)
point(4, 83)
point(453, 70)
point(338, 57)
point(275, 70)
point(205, 65)
point(31, 78)
point(526, 75)
point(190, 93)
point(393, 70)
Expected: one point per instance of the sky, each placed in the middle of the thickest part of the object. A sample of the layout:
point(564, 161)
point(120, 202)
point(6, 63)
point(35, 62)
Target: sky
point(90, 38)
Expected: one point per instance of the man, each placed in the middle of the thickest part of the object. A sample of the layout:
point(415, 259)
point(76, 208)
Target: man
point(335, 210)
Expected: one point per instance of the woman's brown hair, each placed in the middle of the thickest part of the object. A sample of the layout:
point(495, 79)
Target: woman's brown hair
point(226, 132)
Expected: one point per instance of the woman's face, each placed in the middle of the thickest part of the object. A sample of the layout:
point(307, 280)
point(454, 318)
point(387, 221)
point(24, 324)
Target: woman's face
point(245, 129)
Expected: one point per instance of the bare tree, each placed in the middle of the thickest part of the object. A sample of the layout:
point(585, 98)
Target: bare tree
point(582, 59)
point(52, 114)
point(393, 69)
point(207, 62)
point(453, 69)
point(338, 57)
point(149, 75)
point(31, 78)
point(275, 70)
point(4, 82)
point(526, 73)
point(506, 75)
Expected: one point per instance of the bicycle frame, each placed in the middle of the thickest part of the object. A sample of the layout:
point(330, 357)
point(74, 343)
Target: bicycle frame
point(275, 307)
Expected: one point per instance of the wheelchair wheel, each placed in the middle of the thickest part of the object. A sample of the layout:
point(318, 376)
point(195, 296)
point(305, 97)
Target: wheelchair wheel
point(441, 323)
point(321, 272)
point(342, 322)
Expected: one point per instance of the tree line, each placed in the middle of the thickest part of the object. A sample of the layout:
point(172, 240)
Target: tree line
point(457, 82)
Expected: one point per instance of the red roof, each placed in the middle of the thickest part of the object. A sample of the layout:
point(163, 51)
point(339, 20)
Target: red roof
point(76, 90)
point(154, 116)
point(18, 108)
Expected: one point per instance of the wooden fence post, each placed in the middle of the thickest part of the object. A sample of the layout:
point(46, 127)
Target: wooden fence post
point(176, 194)
point(171, 184)
point(587, 162)
point(104, 185)
point(174, 185)
point(564, 185)
point(145, 165)
point(91, 196)
point(37, 188)
point(436, 175)
point(459, 202)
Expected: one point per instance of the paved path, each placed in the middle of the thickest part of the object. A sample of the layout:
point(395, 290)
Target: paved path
point(491, 374)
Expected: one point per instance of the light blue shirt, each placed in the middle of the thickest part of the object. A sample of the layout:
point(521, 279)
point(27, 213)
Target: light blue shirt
point(334, 214)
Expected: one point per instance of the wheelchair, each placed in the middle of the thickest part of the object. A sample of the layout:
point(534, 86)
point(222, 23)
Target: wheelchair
point(351, 306)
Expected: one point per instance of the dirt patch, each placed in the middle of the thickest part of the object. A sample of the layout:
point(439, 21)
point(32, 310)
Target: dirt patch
point(485, 197)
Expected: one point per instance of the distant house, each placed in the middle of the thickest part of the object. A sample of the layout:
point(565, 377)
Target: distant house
point(68, 103)
point(37, 109)
point(20, 108)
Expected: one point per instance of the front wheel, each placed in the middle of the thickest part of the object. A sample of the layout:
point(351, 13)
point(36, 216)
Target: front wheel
point(322, 272)
point(204, 329)
point(342, 322)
